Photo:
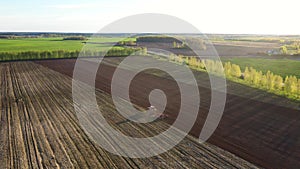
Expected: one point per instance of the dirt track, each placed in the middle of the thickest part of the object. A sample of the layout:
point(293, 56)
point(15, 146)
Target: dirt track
point(40, 130)
point(262, 133)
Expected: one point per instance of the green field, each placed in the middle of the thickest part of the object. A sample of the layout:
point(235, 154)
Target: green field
point(58, 47)
point(51, 44)
point(38, 44)
point(281, 67)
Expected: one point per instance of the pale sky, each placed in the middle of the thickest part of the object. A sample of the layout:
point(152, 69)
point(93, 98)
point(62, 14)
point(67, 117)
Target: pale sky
point(209, 16)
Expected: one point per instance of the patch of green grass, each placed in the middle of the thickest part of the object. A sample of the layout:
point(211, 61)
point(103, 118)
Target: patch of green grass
point(49, 48)
point(53, 44)
point(38, 44)
point(282, 67)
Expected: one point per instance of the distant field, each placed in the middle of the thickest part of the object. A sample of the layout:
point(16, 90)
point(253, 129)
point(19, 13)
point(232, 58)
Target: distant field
point(58, 47)
point(51, 44)
point(243, 48)
point(281, 67)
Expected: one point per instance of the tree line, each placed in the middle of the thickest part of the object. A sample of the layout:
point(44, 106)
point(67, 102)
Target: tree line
point(32, 55)
point(160, 39)
point(288, 86)
point(36, 55)
point(293, 48)
point(75, 38)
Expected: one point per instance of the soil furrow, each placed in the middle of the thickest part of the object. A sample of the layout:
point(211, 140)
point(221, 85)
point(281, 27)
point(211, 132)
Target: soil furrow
point(41, 129)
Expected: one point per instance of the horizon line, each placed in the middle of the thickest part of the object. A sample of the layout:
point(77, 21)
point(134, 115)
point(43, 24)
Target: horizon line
point(78, 32)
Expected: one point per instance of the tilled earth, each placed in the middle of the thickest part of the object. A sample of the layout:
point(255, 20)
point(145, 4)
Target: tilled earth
point(262, 133)
point(39, 127)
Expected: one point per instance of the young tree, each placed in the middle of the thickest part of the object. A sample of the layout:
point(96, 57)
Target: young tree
point(236, 70)
point(264, 81)
point(218, 68)
point(286, 84)
point(227, 68)
point(209, 64)
point(252, 75)
point(255, 78)
point(283, 50)
point(192, 61)
point(278, 82)
point(290, 85)
point(187, 61)
point(271, 80)
point(259, 77)
point(294, 86)
point(200, 64)
point(247, 75)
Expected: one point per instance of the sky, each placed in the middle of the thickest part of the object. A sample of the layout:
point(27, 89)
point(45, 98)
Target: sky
point(209, 16)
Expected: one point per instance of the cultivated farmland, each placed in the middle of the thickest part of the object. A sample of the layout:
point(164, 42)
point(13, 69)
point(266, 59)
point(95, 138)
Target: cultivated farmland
point(40, 130)
point(254, 130)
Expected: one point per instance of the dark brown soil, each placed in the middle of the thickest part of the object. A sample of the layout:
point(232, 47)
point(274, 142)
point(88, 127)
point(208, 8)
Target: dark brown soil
point(39, 128)
point(264, 134)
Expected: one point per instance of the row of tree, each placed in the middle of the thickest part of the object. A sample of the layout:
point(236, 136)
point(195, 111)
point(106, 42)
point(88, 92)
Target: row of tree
point(75, 38)
point(291, 49)
point(33, 55)
point(158, 38)
point(288, 86)
point(178, 45)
